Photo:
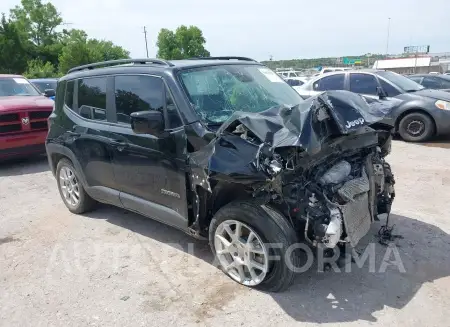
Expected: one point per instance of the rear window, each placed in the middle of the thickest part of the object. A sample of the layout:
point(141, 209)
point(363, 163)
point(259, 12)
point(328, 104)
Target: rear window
point(45, 85)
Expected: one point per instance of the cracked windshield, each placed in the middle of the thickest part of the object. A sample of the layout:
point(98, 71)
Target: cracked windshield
point(216, 92)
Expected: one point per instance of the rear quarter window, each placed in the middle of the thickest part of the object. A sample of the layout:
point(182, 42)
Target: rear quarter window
point(68, 97)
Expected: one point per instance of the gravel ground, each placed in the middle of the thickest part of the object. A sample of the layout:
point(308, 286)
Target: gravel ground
point(115, 268)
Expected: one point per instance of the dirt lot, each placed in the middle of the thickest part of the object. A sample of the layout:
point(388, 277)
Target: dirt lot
point(114, 268)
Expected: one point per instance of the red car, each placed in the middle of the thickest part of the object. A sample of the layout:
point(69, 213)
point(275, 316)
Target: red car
point(23, 117)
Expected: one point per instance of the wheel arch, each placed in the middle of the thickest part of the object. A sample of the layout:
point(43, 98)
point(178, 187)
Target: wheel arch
point(56, 152)
point(414, 110)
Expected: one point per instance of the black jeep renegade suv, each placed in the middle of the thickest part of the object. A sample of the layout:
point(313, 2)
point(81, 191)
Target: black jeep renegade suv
point(223, 149)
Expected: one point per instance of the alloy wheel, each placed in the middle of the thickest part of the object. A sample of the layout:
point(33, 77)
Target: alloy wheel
point(69, 186)
point(241, 252)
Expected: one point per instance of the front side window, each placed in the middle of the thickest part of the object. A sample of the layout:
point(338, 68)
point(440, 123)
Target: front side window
point(92, 98)
point(16, 86)
point(363, 83)
point(400, 81)
point(137, 93)
point(329, 83)
point(216, 92)
point(389, 89)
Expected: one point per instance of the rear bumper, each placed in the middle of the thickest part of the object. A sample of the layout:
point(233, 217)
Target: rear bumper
point(22, 144)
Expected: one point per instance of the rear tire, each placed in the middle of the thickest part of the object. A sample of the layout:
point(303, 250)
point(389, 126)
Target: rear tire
point(71, 190)
point(270, 227)
point(416, 127)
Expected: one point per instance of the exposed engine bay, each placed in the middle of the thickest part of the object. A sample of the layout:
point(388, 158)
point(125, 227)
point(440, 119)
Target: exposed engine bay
point(322, 164)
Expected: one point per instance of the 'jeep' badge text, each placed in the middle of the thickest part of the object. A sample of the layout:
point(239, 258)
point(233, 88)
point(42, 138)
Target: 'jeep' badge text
point(355, 122)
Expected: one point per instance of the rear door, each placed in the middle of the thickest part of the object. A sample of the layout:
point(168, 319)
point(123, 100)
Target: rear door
point(149, 170)
point(329, 83)
point(89, 109)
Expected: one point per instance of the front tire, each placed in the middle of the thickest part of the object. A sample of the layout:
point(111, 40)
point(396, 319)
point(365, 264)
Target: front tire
point(239, 236)
point(416, 127)
point(71, 190)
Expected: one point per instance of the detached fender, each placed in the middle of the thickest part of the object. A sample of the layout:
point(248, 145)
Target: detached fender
point(57, 151)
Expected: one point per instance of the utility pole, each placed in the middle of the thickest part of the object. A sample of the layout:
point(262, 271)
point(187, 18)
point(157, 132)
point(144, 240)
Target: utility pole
point(146, 45)
point(387, 41)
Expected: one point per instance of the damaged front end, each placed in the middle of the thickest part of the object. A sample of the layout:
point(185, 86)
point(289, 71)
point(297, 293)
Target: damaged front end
point(321, 163)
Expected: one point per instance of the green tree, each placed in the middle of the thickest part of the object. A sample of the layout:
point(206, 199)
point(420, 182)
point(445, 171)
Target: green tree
point(39, 21)
point(37, 24)
point(185, 42)
point(79, 50)
point(38, 69)
point(14, 52)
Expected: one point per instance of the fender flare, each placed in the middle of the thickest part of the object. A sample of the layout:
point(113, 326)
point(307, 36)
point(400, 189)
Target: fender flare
point(63, 151)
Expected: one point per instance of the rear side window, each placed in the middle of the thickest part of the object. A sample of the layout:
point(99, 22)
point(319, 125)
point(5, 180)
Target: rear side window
point(68, 98)
point(329, 83)
point(431, 82)
point(92, 98)
point(445, 83)
point(363, 83)
point(137, 93)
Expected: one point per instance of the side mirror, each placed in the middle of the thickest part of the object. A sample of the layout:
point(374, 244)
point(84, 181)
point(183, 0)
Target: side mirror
point(381, 93)
point(49, 93)
point(147, 122)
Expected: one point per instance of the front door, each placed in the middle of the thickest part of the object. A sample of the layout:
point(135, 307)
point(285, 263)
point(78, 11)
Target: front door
point(150, 171)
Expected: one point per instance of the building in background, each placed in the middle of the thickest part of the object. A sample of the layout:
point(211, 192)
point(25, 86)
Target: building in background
point(415, 65)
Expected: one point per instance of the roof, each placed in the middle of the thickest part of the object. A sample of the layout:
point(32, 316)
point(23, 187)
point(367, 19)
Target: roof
point(206, 62)
point(10, 75)
point(43, 80)
point(402, 63)
point(145, 65)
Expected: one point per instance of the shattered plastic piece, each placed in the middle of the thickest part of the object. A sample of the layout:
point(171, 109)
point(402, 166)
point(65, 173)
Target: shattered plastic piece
point(336, 174)
point(275, 167)
point(334, 229)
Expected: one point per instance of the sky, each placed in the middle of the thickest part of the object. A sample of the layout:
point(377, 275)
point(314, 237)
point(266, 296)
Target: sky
point(284, 29)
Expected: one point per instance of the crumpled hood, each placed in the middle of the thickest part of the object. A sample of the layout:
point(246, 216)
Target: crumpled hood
point(308, 124)
point(24, 102)
point(229, 156)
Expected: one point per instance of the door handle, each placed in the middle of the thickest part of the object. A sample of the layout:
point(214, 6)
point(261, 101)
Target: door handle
point(119, 145)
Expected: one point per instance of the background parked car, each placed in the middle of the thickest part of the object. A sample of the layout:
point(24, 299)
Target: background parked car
point(418, 113)
point(46, 85)
point(23, 117)
point(437, 82)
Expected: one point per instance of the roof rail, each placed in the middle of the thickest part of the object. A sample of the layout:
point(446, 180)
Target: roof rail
point(223, 58)
point(120, 62)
